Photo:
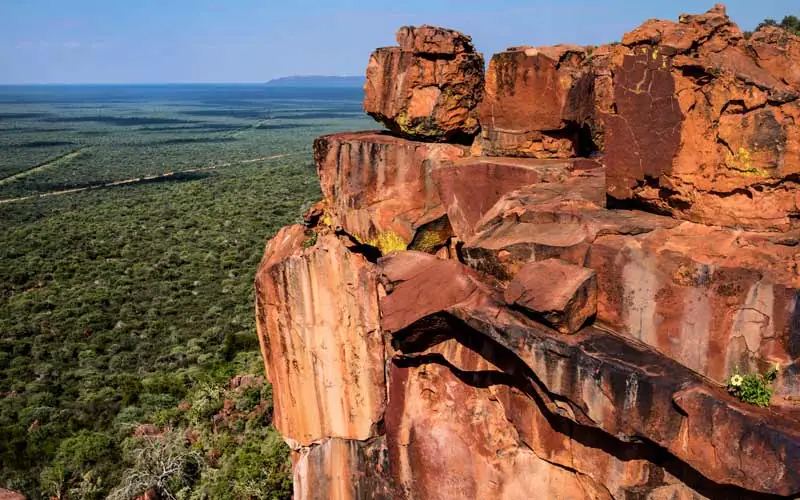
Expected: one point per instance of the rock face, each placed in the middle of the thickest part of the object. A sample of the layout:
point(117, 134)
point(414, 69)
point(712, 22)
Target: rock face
point(380, 190)
point(326, 296)
point(713, 139)
point(713, 299)
point(528, 109)
point(555, 311)
point(429, 87)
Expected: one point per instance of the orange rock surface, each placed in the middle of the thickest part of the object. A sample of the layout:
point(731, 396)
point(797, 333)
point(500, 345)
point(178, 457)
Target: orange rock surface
point(427, 88)
point(642, 197)
point(318, 326)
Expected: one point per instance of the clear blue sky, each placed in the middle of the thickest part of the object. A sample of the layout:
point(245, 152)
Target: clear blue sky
point(137, 41)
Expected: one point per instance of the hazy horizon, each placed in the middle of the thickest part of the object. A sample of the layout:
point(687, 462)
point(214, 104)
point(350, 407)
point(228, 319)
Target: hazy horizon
point(144, 84)
point(209, 42)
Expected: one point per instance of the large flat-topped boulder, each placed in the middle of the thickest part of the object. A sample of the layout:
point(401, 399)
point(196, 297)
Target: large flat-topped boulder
point(379, 187)
point(471, 186)
point(318, 326)
point(504, 250)
point(713, 299)
point(619, 387)
point(433, 41)
point(429, 87)
point(527, 109)
point(537, 222)
point(702, 127)
point(563, 295)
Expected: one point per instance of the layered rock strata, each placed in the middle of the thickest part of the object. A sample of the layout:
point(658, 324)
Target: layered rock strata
point(557, 322)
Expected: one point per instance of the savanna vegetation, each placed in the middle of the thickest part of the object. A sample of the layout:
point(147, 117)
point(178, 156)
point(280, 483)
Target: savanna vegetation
point(126, 311)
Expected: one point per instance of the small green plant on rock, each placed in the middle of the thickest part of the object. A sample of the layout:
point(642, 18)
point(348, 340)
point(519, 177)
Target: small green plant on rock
point(753, 388)
point(311, 239)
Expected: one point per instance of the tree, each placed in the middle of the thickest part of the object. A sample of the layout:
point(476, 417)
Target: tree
point(163, 463)
point(791, 24)
point(788, 23)
point(81, 468)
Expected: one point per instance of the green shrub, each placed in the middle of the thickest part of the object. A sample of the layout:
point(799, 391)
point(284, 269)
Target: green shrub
point(753, 388)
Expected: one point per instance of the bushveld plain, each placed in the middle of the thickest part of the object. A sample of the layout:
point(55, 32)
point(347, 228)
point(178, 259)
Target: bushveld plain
point(132, 220)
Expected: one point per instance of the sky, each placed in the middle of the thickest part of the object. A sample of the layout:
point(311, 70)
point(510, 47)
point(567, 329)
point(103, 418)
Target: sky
point(216, 41)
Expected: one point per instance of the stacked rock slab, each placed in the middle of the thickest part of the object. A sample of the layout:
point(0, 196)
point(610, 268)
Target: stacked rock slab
point(429, 87)
point(556, 322)
point(529, 108)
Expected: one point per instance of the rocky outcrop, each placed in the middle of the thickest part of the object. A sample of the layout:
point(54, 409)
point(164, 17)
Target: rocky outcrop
point(318, 325)
point(429, 87)
point(527, 109)
point(553, 312)
point(701, 128)
point(380, 188)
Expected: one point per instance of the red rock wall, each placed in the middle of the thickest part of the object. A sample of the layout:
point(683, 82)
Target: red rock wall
point(553, 312)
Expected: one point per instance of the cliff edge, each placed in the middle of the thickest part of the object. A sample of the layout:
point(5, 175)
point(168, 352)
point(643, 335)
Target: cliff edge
point(538, 281)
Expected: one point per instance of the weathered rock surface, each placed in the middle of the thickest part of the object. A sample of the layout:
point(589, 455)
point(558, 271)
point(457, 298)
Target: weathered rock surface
point(563, 295)
point(450, 439)
point(549, 220)
point(427, 88)
point(10, 495)
point(641, 197)
point(778, 52)
point(626, 390)
point(318, 326)
point(342, 469)
point(471, 186)
point(379, 188)
point(707, 297)
point(703, 124)
point(527, 109)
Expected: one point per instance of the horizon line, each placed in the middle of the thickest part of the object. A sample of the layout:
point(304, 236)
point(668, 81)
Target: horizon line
point(257, 82)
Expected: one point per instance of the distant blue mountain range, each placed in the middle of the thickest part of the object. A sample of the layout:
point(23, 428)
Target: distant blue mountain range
point(318, 81)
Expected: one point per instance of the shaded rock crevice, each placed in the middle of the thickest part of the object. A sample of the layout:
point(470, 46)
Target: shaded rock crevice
point(574, 425)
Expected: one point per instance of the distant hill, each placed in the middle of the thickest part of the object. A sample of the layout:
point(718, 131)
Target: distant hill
point(318, 81)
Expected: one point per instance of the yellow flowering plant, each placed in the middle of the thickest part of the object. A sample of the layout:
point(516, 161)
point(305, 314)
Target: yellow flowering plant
point(753, 388)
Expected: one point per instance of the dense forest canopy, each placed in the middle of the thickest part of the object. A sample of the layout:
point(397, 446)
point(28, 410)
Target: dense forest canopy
point(126, 311)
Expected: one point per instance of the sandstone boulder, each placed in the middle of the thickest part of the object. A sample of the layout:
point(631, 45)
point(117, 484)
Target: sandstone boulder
point(407, 275)
point(429, 87)
point(528, 108)
point(536, 222)
point(563, 295)
point(318, 325)
point(379, 188)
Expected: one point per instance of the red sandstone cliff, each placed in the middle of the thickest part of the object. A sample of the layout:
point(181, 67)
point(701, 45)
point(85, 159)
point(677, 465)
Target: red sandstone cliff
point(536, 283)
